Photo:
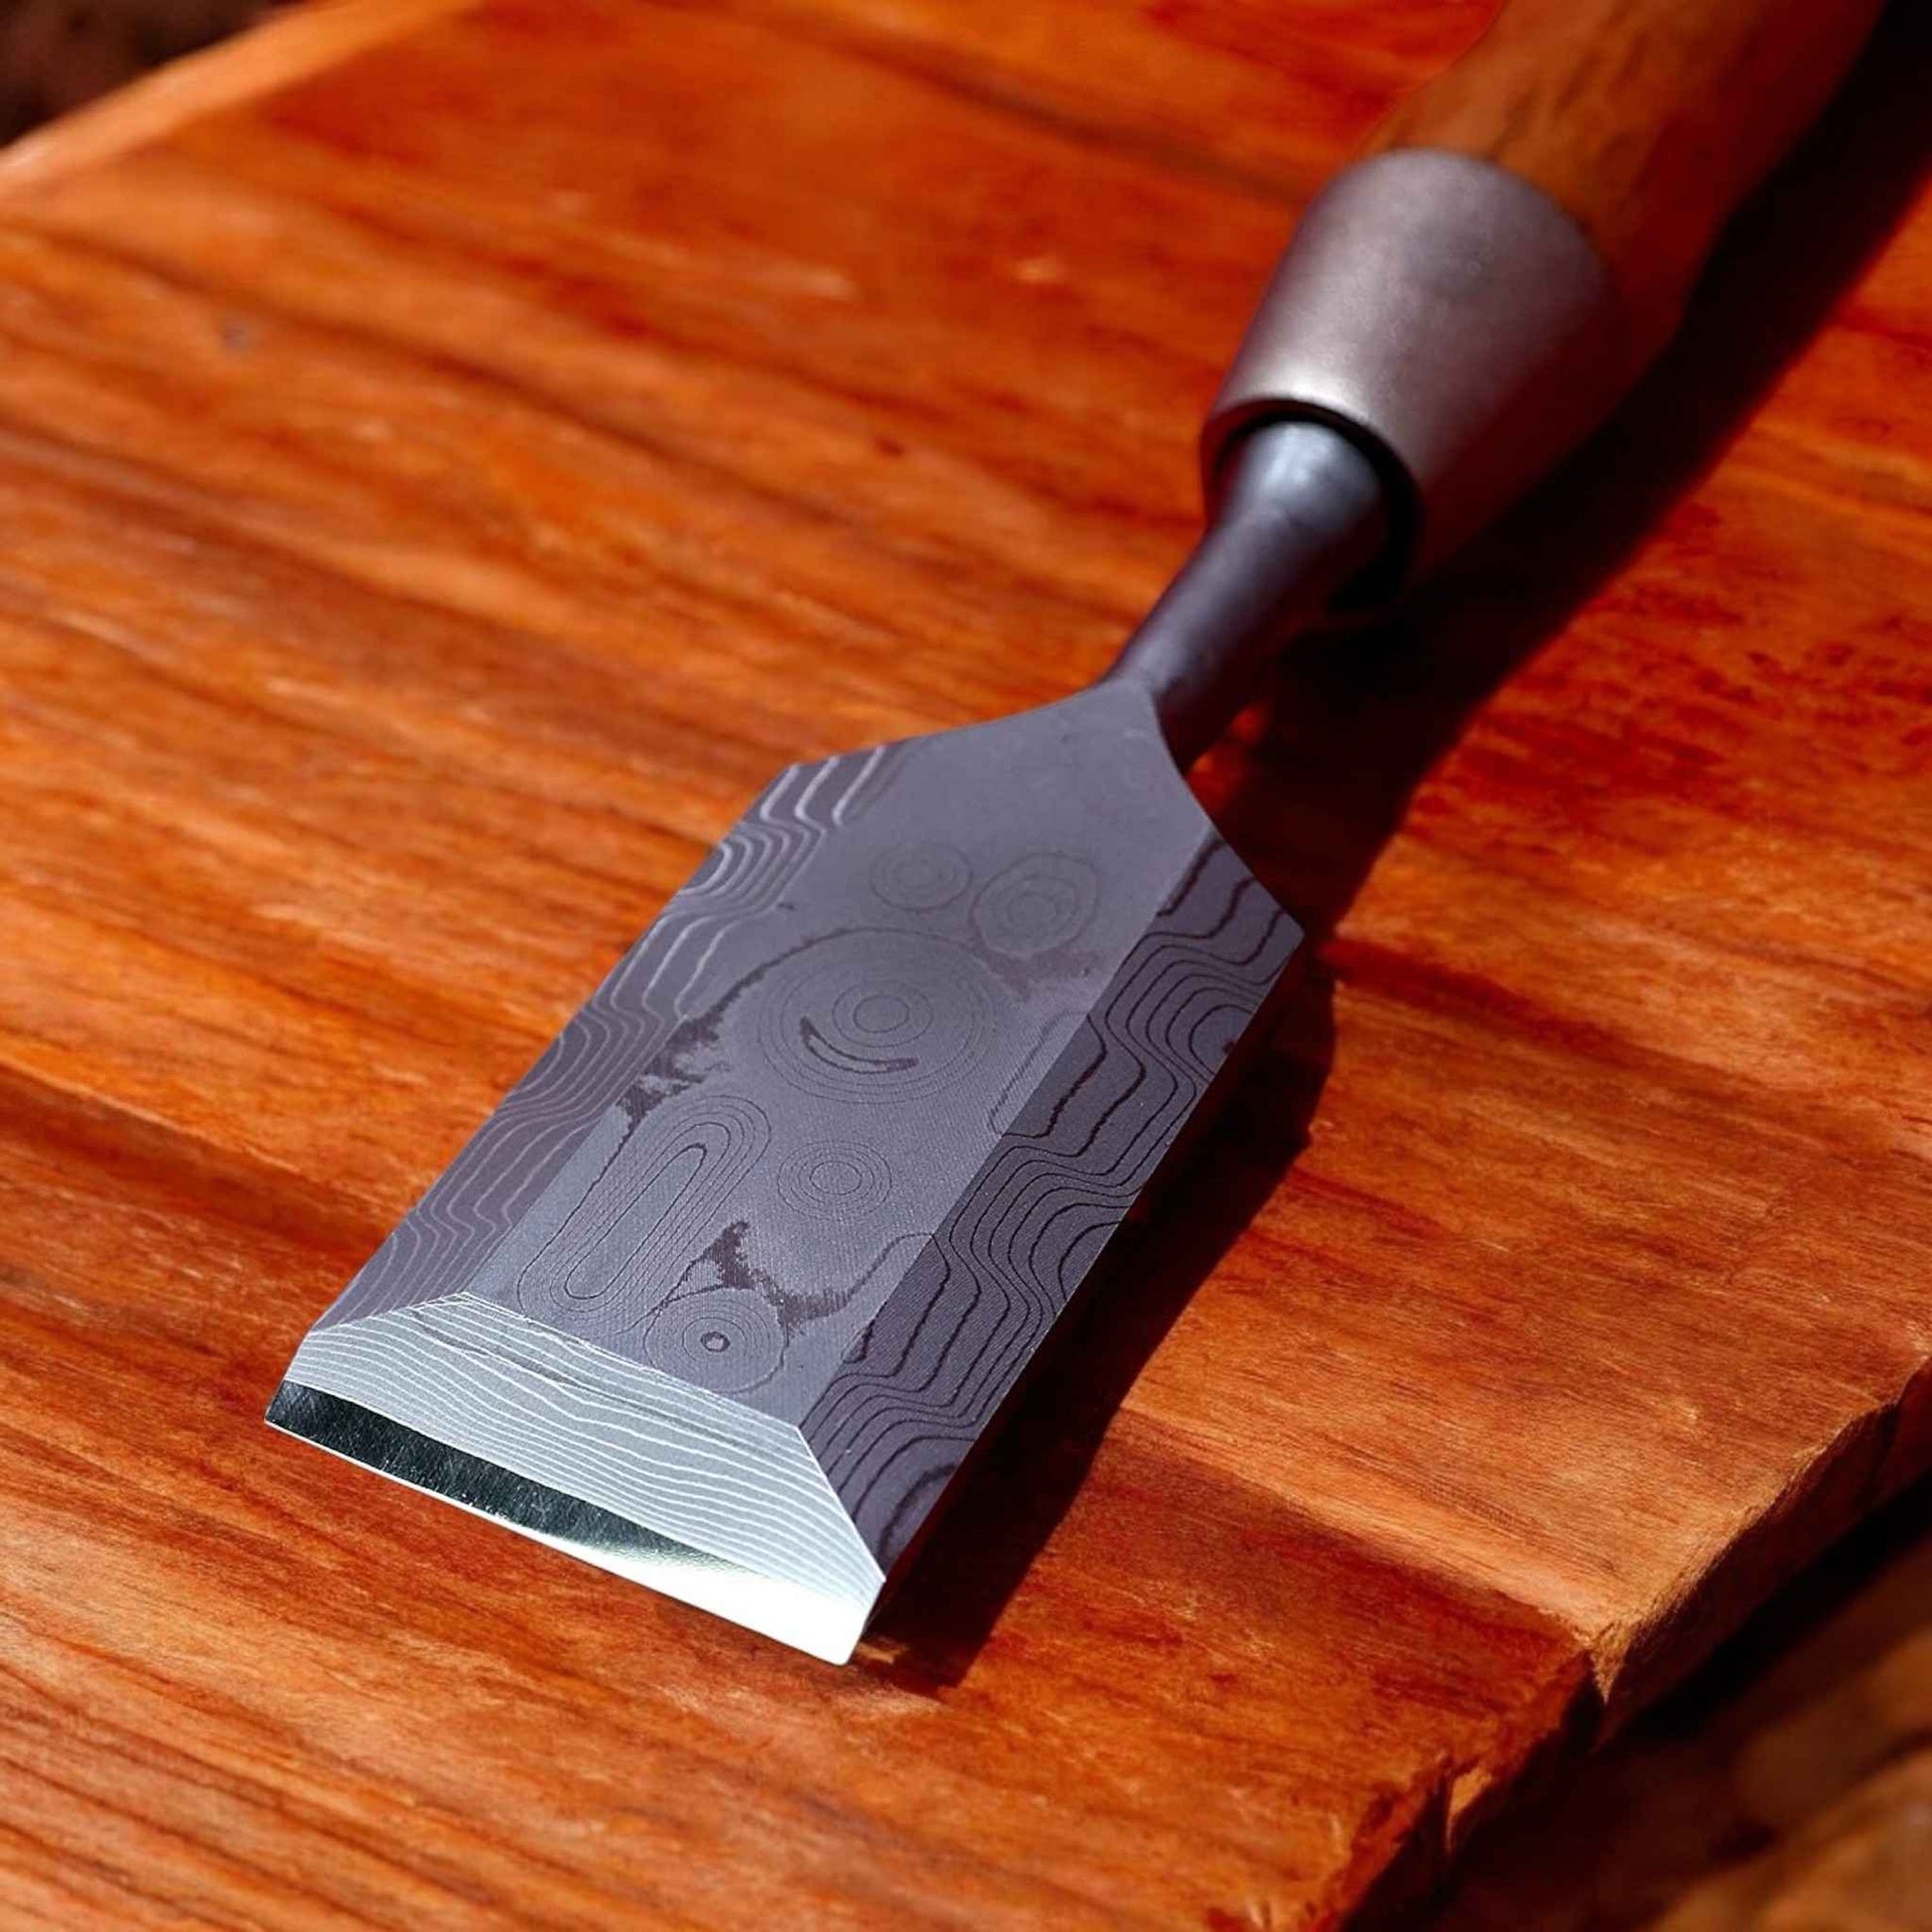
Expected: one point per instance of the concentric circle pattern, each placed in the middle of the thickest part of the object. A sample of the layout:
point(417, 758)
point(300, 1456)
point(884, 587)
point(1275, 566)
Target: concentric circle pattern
point(878, 1016)
point(1038, 904)
point(920, 878)
point(726, 1339)
point(835, 1178)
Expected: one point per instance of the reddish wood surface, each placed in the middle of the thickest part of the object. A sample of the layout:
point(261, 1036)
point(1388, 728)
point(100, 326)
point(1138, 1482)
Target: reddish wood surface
point(437, 493)
point(1787, 1785)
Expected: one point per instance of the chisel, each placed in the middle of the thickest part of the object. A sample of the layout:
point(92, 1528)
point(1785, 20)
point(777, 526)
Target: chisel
point(726, 1291)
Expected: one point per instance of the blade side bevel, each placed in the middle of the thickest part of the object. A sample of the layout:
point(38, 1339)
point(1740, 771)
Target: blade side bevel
point(708, 1476)
point(824, 1625)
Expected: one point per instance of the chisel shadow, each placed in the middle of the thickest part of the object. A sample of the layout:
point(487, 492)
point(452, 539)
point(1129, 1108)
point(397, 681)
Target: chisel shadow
point(1353, 726)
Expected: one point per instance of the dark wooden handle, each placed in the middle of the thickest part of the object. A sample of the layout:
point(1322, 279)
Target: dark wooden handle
point(1648, 120)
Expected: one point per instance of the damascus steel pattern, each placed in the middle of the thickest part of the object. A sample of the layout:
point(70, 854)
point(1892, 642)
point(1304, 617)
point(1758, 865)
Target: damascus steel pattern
point(760, 1247)
point(478, 1196)
point(927, 1378)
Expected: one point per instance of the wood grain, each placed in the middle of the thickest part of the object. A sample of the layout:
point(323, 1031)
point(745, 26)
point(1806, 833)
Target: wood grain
point(437, 495)
point(1648, 121)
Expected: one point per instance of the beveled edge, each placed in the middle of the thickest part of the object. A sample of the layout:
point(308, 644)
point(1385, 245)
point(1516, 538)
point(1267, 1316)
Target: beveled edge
point(820, 1623)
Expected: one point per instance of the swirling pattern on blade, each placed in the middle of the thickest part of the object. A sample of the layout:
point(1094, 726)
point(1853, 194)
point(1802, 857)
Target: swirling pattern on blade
point(922, 876)
point(925, 1379)
point(518, 1151)
point(876, 1016)
point(1037, 905)
point(629, 1233)
point(724, 1340)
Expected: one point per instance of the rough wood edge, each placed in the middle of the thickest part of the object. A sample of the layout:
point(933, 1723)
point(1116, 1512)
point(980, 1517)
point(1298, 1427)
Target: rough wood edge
point(284, 49)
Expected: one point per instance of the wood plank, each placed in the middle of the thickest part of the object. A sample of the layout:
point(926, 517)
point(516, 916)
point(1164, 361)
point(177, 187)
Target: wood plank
point(1786, 1784)
point(437, 493)
point(265, 1670)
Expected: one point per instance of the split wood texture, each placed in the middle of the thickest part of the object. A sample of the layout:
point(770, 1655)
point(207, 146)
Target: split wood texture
point(437, 494)
point(1789, 1785)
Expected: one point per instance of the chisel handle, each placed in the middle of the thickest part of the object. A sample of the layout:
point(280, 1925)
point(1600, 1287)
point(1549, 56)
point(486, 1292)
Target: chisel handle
point(1647, 121)
point(1472, 297)
point(1461, 307)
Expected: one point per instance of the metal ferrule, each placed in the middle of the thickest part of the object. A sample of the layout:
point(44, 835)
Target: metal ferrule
point(1453, 320)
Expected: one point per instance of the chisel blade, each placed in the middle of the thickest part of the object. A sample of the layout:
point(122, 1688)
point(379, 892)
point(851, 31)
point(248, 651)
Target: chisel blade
point(726, 1290)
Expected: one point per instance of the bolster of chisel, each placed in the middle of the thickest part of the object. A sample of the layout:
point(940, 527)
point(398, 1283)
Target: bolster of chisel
point(1470, 300)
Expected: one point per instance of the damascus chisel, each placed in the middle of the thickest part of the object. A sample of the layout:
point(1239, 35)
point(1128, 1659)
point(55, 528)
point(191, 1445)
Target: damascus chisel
point(726, 1291)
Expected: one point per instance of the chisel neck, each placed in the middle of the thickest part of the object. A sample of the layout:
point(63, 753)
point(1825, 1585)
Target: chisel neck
point(1298, 515)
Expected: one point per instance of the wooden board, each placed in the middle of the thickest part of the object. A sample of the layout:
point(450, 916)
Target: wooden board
point(1785, 1784)
point(437, 494)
